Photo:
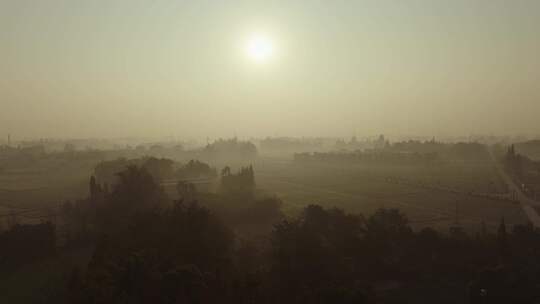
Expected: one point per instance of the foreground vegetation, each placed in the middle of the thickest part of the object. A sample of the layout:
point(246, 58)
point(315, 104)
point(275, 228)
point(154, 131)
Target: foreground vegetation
point(151, 251)
point(349, 229)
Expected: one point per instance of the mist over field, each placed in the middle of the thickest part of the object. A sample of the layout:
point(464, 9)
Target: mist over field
point(269, 152)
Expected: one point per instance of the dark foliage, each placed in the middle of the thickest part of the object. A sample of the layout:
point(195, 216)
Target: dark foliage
point(196, 169)
point(241, 182)
point(25, 243)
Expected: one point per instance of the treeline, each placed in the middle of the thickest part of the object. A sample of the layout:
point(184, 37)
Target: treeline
point(290, 145)
point(159, 168)
point(150, 252)
point(233, 247)
point(229, 150)
point(218, 150)
point(384, 157)
point(196, 169)
point(408, 152)
point(31, 154)
point(137, 186)
point(452, 151)
point(368, 143)
point(242, 181)
point(186, 254)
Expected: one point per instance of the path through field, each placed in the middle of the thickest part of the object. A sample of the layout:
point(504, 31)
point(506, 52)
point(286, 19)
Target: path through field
point(527, 204)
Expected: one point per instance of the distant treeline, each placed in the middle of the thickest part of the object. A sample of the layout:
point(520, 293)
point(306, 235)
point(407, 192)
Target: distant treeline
point(27, 157)
point(288, 144)
point(458, 151)
point(368, 157)
point(219, 150)
point(356, 144)
point(413, 152)
point(228, 149)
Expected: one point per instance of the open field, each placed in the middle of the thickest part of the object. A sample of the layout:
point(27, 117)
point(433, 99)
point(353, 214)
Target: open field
point(364, 188)
point(41, 188)
point(45, 182)
point(357, 188)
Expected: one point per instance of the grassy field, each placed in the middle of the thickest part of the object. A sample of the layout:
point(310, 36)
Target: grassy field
point(45, 181)
point(45, 185)
point(364, 188)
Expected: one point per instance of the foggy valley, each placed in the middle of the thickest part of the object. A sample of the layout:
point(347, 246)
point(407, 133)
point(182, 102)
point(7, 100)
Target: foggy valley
point(269, 152)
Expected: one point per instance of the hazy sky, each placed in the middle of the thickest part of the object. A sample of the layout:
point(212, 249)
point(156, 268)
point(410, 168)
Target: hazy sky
point(109, 68)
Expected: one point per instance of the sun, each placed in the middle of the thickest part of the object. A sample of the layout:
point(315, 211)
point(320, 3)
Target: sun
point(260, 48)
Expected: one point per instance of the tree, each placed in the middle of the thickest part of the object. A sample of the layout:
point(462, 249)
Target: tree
point(241, 182)
point(159, 168)
point(502, 239)
point(514, 162)
point(388, 224)
point(137, 188)
point(135, 192)
point(389, 234)
point(174, 255)
point(186, 190)
point(226, 171)
point(95, 188)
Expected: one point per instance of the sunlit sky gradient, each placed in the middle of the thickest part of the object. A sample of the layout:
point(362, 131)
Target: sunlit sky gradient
point(105, 68)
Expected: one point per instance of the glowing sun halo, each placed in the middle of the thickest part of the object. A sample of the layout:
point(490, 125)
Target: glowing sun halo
point(259, 48)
